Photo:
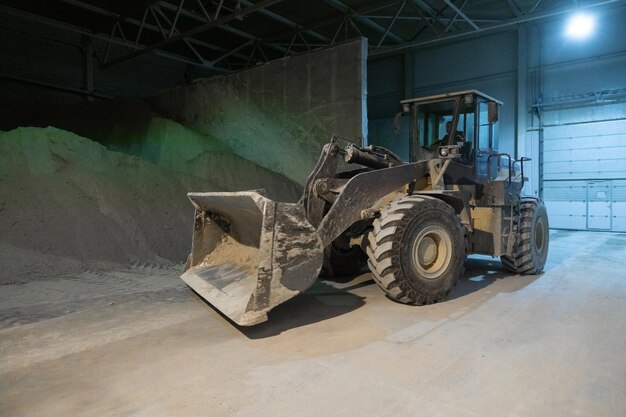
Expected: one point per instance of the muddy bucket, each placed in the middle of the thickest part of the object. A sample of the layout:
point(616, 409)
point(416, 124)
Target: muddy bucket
point(250, 254)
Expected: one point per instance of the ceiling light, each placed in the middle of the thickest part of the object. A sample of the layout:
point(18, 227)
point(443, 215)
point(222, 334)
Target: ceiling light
point(580, 26)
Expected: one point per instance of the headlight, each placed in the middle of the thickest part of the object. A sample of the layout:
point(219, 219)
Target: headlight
point(443, 151)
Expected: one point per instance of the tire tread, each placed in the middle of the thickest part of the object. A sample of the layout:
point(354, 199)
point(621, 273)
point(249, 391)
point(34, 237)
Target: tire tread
point(522, 260)
point(383, 241)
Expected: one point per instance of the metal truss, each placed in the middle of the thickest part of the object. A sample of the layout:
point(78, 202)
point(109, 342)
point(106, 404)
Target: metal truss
point(472, 27)
point(189, 30)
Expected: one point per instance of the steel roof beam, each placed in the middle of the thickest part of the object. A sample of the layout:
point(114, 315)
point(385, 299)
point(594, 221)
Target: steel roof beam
point(83, 31)
point(425, 7)
point(463, 15)
point(498, 26)
point(138, 8)
point(455, 16)
point(199, 18)
point(432, 13)
point(174, 30)
point(221, 21)
point(332, 21)
point(423, 18)
point(395, 17)
point(339, 5)
point(287, 22)
point(107, 13)
point(514, 7)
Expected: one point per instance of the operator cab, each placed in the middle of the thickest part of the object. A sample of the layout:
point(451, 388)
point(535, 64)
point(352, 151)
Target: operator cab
point(465, 118)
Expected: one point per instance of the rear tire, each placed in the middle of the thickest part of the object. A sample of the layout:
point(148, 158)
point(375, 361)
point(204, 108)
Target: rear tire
point(346, 263)
point(417, 250)
point(530, 249)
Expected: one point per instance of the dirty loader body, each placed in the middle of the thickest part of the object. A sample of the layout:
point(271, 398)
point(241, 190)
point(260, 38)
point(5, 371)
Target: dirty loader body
point(250, 254)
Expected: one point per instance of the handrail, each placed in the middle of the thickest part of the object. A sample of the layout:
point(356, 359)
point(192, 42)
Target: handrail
point(521, 161)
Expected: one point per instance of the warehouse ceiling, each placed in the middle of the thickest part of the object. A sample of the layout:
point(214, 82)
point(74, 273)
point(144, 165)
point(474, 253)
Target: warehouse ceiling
point(228, 35)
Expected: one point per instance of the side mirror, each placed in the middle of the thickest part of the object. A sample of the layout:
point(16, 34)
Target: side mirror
point(492, 112)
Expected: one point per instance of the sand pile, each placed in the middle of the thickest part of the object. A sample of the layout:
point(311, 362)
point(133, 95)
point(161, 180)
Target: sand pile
point(217, 114)
point(119, 123)
point(186, 151)
point(67, 203)
point(260, 144)
point(266, 132)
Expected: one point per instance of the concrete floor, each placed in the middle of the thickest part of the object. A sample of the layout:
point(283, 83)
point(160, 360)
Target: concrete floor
point(549, 345)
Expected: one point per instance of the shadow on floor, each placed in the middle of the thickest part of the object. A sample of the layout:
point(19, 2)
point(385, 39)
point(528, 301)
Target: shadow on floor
point(326, 300)
point(321, 302)
point(481, 272)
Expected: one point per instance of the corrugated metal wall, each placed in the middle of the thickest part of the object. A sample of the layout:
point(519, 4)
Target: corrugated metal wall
point(574, 113)
point(579, 89)
point(487, 64)
point(42, 66)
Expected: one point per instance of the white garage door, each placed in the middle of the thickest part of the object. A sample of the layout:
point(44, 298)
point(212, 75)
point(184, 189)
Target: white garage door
point(584, 172)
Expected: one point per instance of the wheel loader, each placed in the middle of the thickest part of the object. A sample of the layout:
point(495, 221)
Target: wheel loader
point(412, 220)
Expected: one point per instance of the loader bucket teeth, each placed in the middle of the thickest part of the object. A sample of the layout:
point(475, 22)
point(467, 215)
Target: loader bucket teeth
point(250, 254)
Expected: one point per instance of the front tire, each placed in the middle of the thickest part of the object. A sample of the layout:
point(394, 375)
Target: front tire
point(417, 250)
point(530, 250)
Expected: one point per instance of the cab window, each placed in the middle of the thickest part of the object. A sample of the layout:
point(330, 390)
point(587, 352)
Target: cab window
point(435, 127)
point(485, 129)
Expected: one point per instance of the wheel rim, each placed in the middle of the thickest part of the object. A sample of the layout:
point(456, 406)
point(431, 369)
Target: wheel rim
point(432, 252)
point(540, 235)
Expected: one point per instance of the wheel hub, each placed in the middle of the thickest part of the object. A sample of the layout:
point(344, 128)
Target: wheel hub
point(539, 236)
point(427, 250)
point(432, 252)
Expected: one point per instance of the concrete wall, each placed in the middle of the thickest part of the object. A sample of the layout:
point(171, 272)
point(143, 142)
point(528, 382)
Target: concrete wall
point(280, 114)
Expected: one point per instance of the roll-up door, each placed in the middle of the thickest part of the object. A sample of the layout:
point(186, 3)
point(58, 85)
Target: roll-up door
point(584, 175)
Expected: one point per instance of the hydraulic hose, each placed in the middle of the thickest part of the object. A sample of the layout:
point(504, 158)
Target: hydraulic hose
point(369, 158)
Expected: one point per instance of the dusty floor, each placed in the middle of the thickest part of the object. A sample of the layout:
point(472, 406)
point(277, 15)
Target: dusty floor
point(137, 342)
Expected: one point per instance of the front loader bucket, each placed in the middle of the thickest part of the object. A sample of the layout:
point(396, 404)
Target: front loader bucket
point(250, 254)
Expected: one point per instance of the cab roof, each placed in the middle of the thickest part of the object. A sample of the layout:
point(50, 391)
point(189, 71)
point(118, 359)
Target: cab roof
point(449, 95)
